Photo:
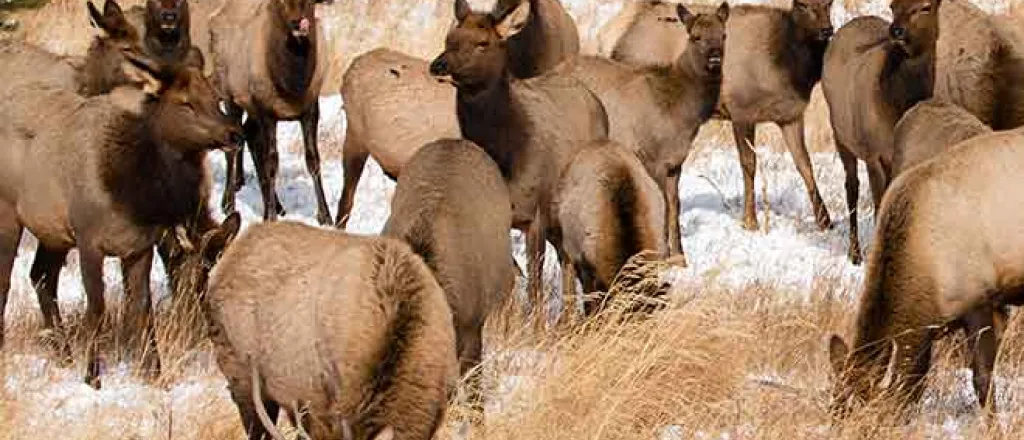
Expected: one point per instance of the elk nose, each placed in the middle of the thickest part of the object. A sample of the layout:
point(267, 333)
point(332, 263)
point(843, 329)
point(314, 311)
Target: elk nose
point(169, 16)
point(439, 67)
point(825, 33)
point(897, 32)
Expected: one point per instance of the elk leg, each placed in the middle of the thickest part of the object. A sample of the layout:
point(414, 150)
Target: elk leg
point(983, 343)
point(45, 276)
point(353, 160)
point(310, 123)
point(672, 203)
point(91, 262)
point(589, 281)
point(568, 283)
point(535, 247)
point(852, 197)
point(241, 393)
point(10, 236)
point(876, 178)
point(794, 134)
point(264, 155)
point(744, 133)
point(232, 182)
point(470, 353)
point(138, 310)
point(236, 114)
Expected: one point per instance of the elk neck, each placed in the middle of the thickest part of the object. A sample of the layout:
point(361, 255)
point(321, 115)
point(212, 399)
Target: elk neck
point(487, 116)
point(291, 62)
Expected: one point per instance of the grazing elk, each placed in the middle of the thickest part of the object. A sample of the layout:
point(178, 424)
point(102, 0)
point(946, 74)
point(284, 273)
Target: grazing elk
point(394, 105)
point(979, 64)
point(773, 59)
point(937, 268)
point(357, 337)
point(268, 62)
point(533, 129)
point(928, 129)
point(874, 72)
point(658, 110)
point(136, 171)
point(452, 207)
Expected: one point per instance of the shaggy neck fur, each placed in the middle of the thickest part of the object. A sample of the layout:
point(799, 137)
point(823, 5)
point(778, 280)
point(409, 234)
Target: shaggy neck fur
point(803, 57)
point(487, 117)
point(153, 183)
point(291, 61)
point(906, 81)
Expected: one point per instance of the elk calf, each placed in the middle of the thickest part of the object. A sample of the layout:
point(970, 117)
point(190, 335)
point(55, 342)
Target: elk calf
point(935, 267)
point(658, 110)
point(136, 170)
point(351, 336)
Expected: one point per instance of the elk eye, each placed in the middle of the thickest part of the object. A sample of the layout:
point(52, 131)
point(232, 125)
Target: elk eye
point(483, 44)
point(695, 38)
point(925, 10)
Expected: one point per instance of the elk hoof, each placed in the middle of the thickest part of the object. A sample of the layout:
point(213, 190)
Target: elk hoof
point(824, 223)
point(856, 258)
point(93, 381)
point(678, 260)
point(750, 224)
point(324, 219)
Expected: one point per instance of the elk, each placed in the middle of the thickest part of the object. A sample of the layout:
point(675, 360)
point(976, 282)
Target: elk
point(135, 173)
point(533, 129)
point(356, 342)
point(874, 72)
point(979, 64)
point(658, 110)
point(935, 269)
point(267, 62)
point(773, 59)
point(928, 129)
point(452, 207)
point(102, 68)
point(394, 105)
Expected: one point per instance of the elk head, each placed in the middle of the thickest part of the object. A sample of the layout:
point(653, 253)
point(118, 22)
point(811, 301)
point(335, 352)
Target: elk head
point(915, 25)
point(814, 18)
point(476, 51)
point(298, 17)
point(167, 19)
point(707, 38)
point(184, 112)
point(858, 374)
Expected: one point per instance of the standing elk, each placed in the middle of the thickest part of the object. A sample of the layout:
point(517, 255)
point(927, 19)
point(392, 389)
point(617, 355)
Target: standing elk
point(268, 62)
point(394, 105)
point(658, 110)
point(773, 59)
point(533, 129)
point(355, 342)
point(937, 268)
point(136, 171)
point(874, 72)
point(452, 207)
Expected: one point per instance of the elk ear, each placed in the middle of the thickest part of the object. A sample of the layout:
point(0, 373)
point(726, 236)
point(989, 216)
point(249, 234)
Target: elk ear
point(685, 16)
point(514, 21)
point(723, 12)
point(461, 10)
point(387, 433)
point(150, 73)
point(216, 240)
point(95, 16)
point(838, 352)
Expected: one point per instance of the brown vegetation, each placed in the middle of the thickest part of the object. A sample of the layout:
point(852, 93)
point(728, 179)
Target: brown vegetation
point(358, 338)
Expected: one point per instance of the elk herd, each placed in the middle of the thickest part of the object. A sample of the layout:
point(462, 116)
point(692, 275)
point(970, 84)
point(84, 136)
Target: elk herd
point(361, 337)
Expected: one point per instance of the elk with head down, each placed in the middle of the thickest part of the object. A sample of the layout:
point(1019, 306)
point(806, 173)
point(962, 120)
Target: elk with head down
point(935, 268)
point(874, 72)
point(534, 129)
point(136, 171)
point(773, 58)
point(268, 61)
point(355, 342)
point(658, 110)
point(929, 129)
point(394, 105)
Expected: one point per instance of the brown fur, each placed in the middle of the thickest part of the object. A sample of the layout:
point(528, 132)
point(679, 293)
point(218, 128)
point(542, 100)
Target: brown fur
point(530, 128)
point(102, 67)
point(935, 267)
point(658, 110)
point(980, 64)
point(930, 128)
point(452, 207)
point(23, 63)
point(609, 209)
point(394, 106)
point(773, 59)
point(136, 170)
point(647, 33)
point(265, 65)
point(874, 72)
point(359, 331)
